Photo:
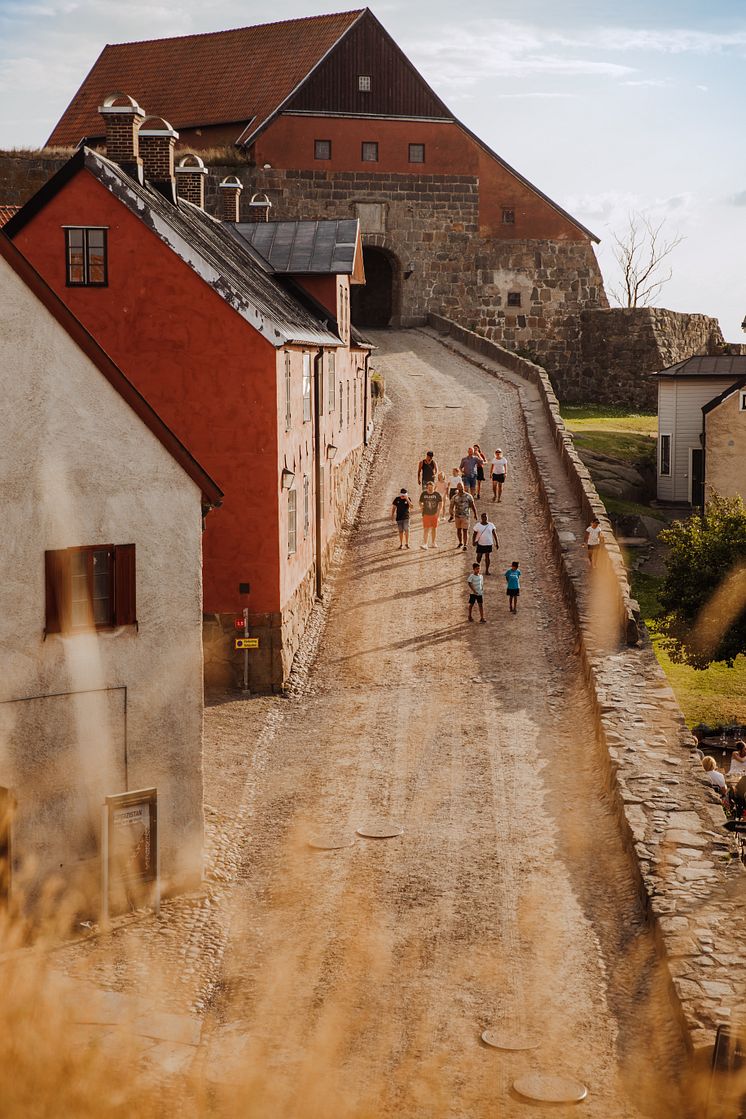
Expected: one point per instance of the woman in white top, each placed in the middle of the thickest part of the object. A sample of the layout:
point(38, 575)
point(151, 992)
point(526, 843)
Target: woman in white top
point(714, 776)
point(442, 486)
point(738, 761)
point(498, 470)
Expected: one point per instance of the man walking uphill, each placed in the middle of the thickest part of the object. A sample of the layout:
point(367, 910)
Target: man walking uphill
point(430, 502)
point(462, 504)
point(427, 469)
point(485, 536)
point(468, 467)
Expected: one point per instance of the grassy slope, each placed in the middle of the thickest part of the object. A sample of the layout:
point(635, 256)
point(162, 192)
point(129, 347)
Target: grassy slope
point(715, 695)
point(627, 436)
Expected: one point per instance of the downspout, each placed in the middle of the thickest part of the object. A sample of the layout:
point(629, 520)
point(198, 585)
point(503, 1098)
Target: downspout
point(365, 399)
point(317, 450)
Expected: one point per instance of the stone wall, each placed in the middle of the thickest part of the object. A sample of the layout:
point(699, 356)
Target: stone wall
point(690, 880)
point(620, 345)
point(429, 224)
point(21, 175)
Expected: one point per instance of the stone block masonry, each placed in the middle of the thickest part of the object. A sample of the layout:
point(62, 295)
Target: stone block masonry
point(690, 882)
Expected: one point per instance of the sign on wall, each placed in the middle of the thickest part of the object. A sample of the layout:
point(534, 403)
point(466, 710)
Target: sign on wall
point(130, 851)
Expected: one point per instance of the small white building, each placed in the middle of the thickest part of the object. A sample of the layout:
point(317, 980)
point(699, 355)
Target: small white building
point(100, 606)
point(683, 391)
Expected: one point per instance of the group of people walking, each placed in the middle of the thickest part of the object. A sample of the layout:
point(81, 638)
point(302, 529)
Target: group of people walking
point(457, 492)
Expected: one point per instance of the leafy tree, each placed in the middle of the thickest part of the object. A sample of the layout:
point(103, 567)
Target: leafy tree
point(703, 596)
point(641, 253)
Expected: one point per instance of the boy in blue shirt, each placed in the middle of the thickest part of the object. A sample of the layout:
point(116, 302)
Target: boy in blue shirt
point(513, 579)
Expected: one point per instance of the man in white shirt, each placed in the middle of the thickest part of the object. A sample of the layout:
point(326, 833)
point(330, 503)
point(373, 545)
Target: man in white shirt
point(498, 470)
point(593, 540)
point(484, 537)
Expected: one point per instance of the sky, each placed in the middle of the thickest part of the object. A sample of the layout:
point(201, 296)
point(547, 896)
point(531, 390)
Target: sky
point(610, 109)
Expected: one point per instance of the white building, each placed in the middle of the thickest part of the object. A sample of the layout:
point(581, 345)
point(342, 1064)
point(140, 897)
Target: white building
point(683, 391)
point(100, 605)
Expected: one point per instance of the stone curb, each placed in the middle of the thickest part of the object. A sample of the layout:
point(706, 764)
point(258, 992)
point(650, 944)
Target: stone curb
point(690, 885)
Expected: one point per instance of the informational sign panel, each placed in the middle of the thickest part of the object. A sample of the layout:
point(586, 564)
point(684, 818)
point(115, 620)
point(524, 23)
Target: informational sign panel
point(247, 642)
point(130, 851)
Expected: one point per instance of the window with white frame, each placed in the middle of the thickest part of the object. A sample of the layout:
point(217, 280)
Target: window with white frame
point(331, 358)
point(321, 490)
point(664, 453)
point(306, 504)
point(348, 403)
point(306, 387)
point(292, 521)
point(340, 405)
point(743, 401)
point(354, 400)
point(363, 83)
point(288, 409)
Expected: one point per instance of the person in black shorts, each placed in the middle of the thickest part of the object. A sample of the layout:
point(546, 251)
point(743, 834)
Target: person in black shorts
point(484, 537)
point(476, 591)
point(400, 512)
point(513, 579)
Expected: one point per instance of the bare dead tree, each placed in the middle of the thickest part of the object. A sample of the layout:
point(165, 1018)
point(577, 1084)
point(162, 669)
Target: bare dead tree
point(641, 253)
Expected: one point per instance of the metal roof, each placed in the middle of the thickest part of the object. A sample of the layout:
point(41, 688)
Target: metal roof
point(711, 405)
point(228, 265)
point(704, 365)
point(321, 247)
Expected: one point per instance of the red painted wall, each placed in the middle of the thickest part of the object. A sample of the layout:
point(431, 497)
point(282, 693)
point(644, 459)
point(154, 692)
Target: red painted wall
point(288, 144)
point(206, 371)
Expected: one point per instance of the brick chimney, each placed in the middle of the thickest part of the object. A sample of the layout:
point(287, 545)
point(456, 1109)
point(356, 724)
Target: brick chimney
point(259, 208)
point(230, 198)
point(157, 142)
point(123, 117)
point(190, 179)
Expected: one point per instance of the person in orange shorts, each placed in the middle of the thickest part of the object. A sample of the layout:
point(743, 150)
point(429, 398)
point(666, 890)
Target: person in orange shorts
point(430, 502)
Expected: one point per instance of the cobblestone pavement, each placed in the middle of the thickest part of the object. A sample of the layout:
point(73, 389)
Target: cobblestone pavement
point(358, 981)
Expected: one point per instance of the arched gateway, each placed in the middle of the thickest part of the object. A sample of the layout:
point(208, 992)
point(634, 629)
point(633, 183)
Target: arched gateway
point(376, 303)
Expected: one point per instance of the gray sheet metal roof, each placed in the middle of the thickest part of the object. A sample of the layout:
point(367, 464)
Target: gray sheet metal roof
point(720, 365)
point(229, 265)
point(322, 247)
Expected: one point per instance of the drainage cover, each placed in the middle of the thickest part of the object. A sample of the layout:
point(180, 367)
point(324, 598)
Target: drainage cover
point(545, 1088)
point(330, 842)
point(380, 830)
point(501, 1039)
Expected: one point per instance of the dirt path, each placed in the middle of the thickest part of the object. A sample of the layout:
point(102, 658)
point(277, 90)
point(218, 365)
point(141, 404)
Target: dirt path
point(357, 982)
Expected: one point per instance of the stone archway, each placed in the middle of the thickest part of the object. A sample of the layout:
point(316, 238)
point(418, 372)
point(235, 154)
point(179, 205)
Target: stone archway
point(376, 303)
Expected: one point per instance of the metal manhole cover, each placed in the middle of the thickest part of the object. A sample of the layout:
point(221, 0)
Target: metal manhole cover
point(545, 1088)
point(502, 1039)
point(330, 842)
point(380, 830)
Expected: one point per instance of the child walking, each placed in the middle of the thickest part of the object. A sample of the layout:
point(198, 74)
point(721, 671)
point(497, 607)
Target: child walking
point(476, 591)
point(513, 579)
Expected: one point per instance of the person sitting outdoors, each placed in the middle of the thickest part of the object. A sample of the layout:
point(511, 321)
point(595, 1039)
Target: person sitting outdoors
point(714, 776)
point(738, 762)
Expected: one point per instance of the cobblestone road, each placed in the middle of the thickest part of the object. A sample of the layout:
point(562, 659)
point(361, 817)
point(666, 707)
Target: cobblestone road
point(357, 982)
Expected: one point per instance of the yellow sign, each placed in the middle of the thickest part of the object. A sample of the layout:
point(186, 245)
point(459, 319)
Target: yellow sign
point(247, 643)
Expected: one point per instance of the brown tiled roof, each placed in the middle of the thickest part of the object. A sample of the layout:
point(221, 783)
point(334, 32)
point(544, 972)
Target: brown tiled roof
point(195, 80)
point(6, 213)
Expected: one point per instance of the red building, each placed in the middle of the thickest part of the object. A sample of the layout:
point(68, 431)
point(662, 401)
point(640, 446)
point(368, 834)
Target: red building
point(252, 364)
point(337, 122)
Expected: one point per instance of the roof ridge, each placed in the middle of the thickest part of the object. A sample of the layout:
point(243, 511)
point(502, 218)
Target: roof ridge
point(232, 30)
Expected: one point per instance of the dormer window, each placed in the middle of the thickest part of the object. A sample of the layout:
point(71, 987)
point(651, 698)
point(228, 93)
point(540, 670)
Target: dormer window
point(363, 83)
point(85, 257)
point(508, 216)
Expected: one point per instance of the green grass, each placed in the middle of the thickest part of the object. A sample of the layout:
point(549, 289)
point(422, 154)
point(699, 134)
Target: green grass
point(716, 695)
point(628, 436)
point(619, 506)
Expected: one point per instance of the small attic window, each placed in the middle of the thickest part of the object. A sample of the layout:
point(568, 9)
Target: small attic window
point(363, 83)
point(508, 217)
point(743, 401)
point(514, 299)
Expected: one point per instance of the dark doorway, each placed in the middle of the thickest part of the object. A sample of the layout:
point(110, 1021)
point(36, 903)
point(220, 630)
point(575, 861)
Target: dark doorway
point(698, 477)
point(6, 805)
point(372, 303)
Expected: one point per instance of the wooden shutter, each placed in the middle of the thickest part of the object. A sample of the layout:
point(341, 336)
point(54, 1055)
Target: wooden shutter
point(125, 603)
point(56, 591)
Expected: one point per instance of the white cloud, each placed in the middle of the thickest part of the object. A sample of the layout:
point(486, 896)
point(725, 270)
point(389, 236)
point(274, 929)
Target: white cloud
point(653, 83)
point(540, 96)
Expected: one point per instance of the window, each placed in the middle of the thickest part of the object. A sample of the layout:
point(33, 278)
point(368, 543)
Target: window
point(332, 378)
point(292, 521)
point(85, 251)
point(321, 491)
point(416, 153)
point(370, 151)
point(363, 83)
point(743, 401)
point(306, 387)
point(288, 411)
point(665, 454)
point(508, 216)
point(90, 588)
point(306, 505)
point(340, 405)
point(514, 299)
point(348, 403)
point(322, 149)
point(354, 400)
